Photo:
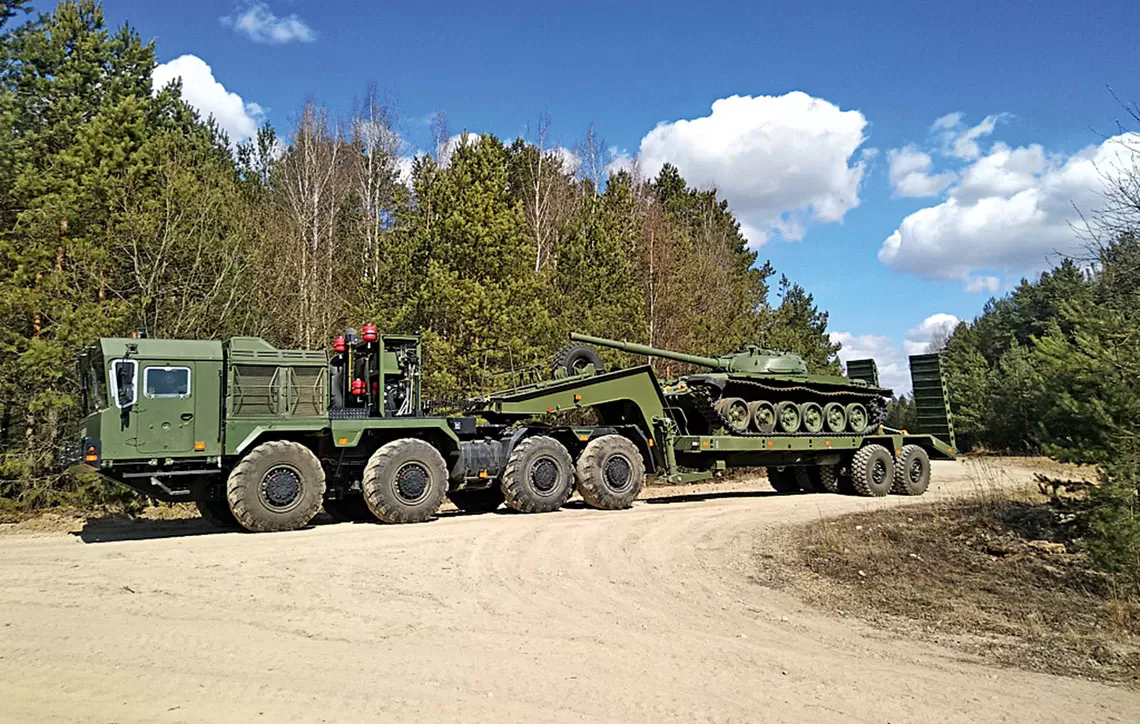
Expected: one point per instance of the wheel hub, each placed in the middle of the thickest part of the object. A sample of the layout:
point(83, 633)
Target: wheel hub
point(916, 471)
point(617, 473)
point(412, 482)
point(544, 475)
point(281, 486)
point(878, 472)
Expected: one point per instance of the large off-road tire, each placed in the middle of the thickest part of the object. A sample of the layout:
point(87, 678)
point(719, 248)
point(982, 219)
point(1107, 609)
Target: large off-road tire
point(482, 500)
point(279, 485)
point(829, 478)
point(218, 514)
point(783, 481)
point(872, 471)
point(574, 358)
point(349, 509)
point(539, 476)
point(405, 481)
point(610, 473)
point(912, 471)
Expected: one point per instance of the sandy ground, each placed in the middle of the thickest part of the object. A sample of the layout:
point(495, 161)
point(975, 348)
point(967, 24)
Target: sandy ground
point(648, 614)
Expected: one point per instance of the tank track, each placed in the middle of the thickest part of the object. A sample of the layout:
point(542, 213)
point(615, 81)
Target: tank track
point(702, 397)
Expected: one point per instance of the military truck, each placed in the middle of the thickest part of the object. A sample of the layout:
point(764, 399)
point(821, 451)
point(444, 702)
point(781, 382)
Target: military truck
point(262, 438)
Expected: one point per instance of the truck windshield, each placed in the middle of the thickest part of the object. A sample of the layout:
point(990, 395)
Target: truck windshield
point(94, 386)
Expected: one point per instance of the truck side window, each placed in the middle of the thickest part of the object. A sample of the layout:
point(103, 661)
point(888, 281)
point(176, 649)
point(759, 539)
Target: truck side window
point(124, 382)
point(166, 381)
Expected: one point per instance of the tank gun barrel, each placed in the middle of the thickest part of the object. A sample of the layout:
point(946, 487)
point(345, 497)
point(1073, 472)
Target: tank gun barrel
point(711, 362)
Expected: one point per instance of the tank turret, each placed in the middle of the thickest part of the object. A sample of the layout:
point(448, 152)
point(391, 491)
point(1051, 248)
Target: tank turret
point(757, 391)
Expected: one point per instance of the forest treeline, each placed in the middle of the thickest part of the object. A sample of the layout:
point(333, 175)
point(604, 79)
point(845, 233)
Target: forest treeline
point(121, 208)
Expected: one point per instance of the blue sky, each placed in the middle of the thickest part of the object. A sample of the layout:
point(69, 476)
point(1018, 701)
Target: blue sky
point(973, 204)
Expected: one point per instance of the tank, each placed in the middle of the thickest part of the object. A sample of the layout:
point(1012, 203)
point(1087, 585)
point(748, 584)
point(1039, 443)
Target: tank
point(757, 391)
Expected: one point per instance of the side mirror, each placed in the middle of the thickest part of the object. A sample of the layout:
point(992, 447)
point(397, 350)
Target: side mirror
point(125, 373)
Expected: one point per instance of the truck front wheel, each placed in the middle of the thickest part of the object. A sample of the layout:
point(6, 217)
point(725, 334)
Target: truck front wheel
point(405, 481)
point(279, 485)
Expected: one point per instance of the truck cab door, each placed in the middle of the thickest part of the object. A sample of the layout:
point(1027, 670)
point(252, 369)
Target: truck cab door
point(165, 410)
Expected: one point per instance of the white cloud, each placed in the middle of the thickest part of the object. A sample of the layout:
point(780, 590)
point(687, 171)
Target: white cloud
point(209, 97)
point(918, 339)
point(889, 359)
point(909, 173)
point(781, 161)
point(257, 22)
point(1012, 213)
point(620, 160)
point(959, 141)
point(570, 160)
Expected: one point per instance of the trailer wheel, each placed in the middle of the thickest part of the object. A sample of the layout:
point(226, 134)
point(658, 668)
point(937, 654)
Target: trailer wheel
point(405, 481)
point(539, 476)
point(829, 478)
point(218, 514)
point(574, 359)
point(610, 473)
point(807, 478)
point(912, 471)
point(477, 501)
point(782, 481)
point(872, 471)
point(279, 485)
point(350, 509)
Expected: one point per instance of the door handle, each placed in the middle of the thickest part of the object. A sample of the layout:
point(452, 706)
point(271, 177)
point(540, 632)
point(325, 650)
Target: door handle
point(187, 416)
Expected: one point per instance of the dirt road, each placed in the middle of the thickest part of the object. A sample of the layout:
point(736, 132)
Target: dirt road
point(648, 614)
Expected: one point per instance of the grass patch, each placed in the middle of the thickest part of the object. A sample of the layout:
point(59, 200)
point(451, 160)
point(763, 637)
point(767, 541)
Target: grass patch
point(998, 575)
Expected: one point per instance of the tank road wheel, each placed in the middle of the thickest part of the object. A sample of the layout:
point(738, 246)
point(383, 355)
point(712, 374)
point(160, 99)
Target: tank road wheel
point(218, 514)
point(478, 500)
point(279, 485)
point(574, 358)
point(829, 478)
point(857, 419)
point(610, 473)
point(835, 417)
point(912, 471)
point(872, 471)
point(539, 476)
point(812, 415)
point(762, 416)
point(734, 410)
point(807, 477)
point(405, 481)
point(349, 509)
point(782, 481)
point(788, 416)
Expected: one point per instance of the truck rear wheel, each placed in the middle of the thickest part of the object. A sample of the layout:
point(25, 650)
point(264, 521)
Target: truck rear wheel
point(279, 485)
point(610, 473)
point(912, 471)
point(872, 471)
point(218, 513)
point(782, 481)
point(405, 481)
point(477, 501)
point(539, 476)
point(807, 478)
point(349, 509)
